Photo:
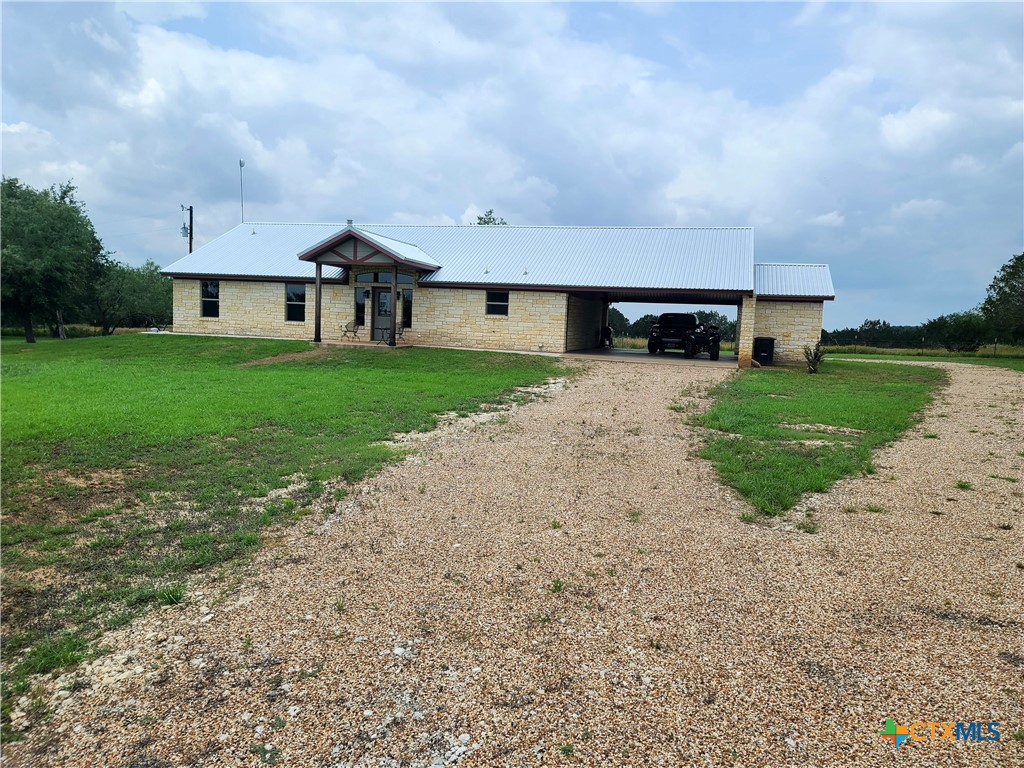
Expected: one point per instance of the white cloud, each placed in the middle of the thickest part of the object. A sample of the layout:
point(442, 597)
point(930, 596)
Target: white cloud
point(917, 130)
point(966, 165)
point(830, 219)
point(434, 113)
point(404, 217)
point(923, 209)
point(158, 13)
point(809, 13)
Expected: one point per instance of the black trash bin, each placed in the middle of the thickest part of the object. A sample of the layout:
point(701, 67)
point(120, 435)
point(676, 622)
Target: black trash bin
point(764, 349)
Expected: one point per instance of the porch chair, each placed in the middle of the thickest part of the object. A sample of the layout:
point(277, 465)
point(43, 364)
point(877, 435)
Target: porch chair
point(350, 329)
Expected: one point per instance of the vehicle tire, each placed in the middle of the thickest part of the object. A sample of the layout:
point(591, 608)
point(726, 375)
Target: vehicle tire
point(688, 349)
point(652, 347)
point(714, 351)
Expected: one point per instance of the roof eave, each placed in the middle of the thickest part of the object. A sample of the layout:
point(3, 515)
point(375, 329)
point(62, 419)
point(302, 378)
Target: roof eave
point(772, 297)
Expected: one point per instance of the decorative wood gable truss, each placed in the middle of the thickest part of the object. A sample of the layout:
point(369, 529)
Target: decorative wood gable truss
point(350, 247)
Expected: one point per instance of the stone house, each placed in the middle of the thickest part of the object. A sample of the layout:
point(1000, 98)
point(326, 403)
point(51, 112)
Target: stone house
point(543, 289)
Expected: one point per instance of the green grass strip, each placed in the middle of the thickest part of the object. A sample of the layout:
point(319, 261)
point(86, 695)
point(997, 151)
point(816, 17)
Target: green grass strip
point(766, 442)
point(1012, 361)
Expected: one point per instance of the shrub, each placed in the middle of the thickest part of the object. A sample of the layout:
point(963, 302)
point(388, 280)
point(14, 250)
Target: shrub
point(814, 357)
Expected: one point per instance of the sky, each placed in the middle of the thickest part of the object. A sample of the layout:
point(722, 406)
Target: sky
point(886, 140)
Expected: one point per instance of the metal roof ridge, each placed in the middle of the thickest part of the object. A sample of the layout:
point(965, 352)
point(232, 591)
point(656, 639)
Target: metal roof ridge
point(537, 226)
point(359, 227)
point(787, 264)
point(289, 224)
point(469, 226)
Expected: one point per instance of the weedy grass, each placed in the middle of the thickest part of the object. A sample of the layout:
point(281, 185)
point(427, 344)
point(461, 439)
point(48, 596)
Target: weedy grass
point(131, 461)
point(777, 433)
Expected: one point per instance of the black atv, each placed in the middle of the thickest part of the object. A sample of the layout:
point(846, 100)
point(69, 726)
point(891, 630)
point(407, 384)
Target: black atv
point(677, 330)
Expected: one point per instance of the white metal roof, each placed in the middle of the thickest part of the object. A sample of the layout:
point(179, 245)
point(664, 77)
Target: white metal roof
point(671, 258)
point(652, 258)
point(795, 280)
point(258, 250)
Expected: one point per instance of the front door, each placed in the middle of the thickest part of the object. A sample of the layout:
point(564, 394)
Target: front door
point(381, 313)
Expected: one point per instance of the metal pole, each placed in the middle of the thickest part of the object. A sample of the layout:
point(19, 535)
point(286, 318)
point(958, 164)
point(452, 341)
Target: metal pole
point(394, 305)
point(190, 229)
point(241, 193)
point(318, 298)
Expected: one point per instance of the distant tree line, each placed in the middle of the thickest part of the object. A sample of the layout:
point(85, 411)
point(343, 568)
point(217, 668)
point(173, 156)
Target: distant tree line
point(999, 318)
point(641, 327)
point(55, 272)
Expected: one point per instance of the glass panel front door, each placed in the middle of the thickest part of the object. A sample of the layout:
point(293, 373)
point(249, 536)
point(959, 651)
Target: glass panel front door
point(381, 313)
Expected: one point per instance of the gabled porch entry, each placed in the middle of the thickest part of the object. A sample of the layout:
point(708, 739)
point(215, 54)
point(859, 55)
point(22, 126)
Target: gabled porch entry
point(351, 248)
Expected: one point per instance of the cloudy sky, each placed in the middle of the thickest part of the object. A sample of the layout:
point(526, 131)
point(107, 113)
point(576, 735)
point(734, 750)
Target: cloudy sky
point(883, 139)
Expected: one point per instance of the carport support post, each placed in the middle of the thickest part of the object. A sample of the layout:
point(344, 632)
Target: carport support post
point(394, 305)
point(745, 331)
point(318, 295)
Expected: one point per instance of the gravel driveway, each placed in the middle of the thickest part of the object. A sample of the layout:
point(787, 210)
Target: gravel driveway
point(568, 585)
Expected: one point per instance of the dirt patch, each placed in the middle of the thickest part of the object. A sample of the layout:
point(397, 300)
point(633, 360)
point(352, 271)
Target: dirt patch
point(311, 354)
point(100, 480)
point(827, 429)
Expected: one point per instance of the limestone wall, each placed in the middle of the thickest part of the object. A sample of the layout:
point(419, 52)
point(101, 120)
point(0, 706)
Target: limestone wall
point(583, 328)
point(452, 317)
point(456, 317)
point(254, 308)
point(793, 324)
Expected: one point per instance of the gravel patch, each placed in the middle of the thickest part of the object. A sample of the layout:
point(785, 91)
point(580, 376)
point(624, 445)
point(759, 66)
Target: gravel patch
point(567, 584)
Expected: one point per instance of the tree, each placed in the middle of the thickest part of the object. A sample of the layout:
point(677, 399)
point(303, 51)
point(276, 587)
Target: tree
point(641, 329)
point(488, 217)
point(50, 252)
point(959, 331)
point(726, 327)
point(1004, 305)
point(617, 321)
point(132, 296)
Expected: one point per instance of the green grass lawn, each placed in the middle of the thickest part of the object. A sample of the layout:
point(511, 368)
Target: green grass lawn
point(1008, 357)
point(779, 433)
point(128, 461)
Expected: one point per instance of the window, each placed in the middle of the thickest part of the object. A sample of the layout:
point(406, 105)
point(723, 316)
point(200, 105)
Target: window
point(295, 302)
point(406, 308)
point(361, 305)
point(209, 302)
point(365, 277)
point(497, 302)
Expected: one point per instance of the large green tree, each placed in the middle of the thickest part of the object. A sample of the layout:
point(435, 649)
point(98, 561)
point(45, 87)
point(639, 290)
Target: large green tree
point(1004, 305)
point(132, 296)
point(959, 331)
point(51, 256)
point(641, 328)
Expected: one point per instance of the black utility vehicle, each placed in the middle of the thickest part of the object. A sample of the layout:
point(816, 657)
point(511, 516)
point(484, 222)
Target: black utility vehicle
point(676, 330)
